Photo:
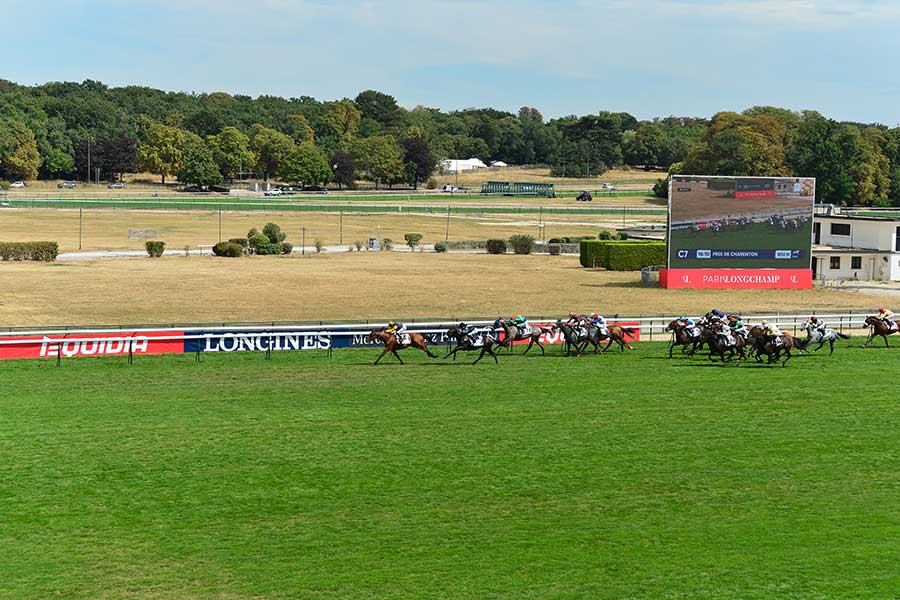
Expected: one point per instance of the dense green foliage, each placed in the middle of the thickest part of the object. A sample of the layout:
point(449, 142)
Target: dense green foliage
point(618, 476)
point(495, 246)
point(155, 248)
point(521, 243)
point(229, 249)
point(56, 129)
point(39, 251)
point(632, 255)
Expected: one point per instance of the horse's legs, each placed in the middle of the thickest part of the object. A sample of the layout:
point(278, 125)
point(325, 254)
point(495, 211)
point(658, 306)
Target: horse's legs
point(831, 351)
point(394, 352)
point(480, 356)
point(493, 355)
point(787, 357)
point(383, 352)
point(530, 344)
point(671, 347)
point(452, 353)
point(886, 345)
point(541, 346)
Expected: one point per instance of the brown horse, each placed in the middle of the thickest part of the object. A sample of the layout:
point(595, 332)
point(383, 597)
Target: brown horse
point(765, 345)
point(878, 327)
point(392, 344)
point(614, 334)
point(680, 337)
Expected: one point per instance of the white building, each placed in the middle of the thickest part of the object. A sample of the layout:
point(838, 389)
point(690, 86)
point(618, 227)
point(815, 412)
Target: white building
point(456, 165)
point(856, 247)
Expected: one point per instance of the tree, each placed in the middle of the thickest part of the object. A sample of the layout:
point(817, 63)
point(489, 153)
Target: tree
point(231, 152)
point(418, 160)
point(824, 149)
point(379, 158)
point(412, 239)
point(299, 129)
point(271, 149)
point(344, 168)
point(306, 163)
point(19, 158)
point(197, 164)
point(58, 164)
point(162, 151)
point(113, 156)
point(740, 145)
point(380, 108)
point(340, 121)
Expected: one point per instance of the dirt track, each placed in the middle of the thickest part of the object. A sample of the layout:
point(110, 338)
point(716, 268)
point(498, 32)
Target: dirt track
point(705, 203)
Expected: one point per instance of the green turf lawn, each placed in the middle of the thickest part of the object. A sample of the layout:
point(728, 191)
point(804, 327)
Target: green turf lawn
point(619, 476)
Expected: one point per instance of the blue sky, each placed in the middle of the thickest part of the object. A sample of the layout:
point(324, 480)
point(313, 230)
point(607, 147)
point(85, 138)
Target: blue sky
point(647, 57)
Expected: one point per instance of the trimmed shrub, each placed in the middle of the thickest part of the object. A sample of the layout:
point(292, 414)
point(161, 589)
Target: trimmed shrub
point(287, 247)
point(440, 247)
point(274, 233)
point(629, 256)
point(229, 249)
point(412, 239)
point(387, 244)
point(621, 235)
point(39, 251)
point(595, 253)
point(155, 248)
point(661, 188)
point(269, 249)
point(605, 235)
point(258, 240)
point(522, 244)
point(553, 249)
point(496, 246)
point(557, 240)
point(242, 242)
point(467, 245)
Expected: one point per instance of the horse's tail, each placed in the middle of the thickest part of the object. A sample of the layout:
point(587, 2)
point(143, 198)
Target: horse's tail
point(843, 336)
point(628, 331)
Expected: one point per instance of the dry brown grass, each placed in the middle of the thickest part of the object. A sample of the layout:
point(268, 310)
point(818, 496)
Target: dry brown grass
point(355, 286)
point(108, 229)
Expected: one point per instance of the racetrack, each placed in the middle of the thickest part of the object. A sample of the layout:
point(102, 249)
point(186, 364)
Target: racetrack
point(623, 475)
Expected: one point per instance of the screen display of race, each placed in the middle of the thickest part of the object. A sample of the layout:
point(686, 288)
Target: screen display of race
point(740, 222)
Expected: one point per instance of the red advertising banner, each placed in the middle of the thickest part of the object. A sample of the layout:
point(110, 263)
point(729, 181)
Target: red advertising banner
point(75, 344)
point(557, 337)
point(754, 194)
point(736, 279)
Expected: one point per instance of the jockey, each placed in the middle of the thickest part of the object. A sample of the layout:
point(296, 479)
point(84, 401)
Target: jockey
point(886, 316)
point(689, 325)
point(398, 329)
point(772, 332)
point(520, 322)
point(578, 323)
point(737, 326)
point(817, 324)
point(599, 322)
point(468, 331)
point(721, 328)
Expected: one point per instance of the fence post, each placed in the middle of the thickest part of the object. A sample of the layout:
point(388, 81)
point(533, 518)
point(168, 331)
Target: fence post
point(130, 350)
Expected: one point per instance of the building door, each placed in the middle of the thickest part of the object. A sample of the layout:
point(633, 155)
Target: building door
point(897, 240)
point(815, 264)
point(817, 233)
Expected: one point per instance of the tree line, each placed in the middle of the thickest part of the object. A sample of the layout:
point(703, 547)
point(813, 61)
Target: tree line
point(61, 129)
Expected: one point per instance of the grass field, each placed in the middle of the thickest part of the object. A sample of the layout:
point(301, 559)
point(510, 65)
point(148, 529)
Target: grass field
point(619, 476)
point(361, 285)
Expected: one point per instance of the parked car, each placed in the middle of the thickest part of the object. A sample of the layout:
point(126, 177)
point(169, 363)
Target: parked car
point(273, 192)
point(118, 185)
point(17, 184)
point(449, 188)
point(608, 187)
point(67, 185)
point(584, 196)
point(315, 189)
point(194, 189)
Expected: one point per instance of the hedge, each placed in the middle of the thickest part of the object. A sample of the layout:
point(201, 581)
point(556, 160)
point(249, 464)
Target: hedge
point(496, 246)
point(596, 253)
point(41, 251)
point(522, 244)
point(155, 248)
point(230, 249)
point(629, 256)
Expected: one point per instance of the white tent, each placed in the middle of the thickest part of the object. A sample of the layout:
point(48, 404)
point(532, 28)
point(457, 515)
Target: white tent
point(499, 163)
point(455, 165)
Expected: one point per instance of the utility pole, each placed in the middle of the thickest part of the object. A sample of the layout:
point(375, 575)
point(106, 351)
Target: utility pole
point(220, 224)
point(80, 225)
point(447, 232)
point(341, 234)
point(89, 160)
point(303, 240)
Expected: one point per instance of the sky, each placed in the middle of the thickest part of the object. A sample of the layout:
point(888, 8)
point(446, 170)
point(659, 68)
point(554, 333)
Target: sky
point(646, 57)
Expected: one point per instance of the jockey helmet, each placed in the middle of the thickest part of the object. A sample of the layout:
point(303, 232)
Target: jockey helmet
point(595, 315)
point(880, 310)
point(813, 319)
point(391, 323)
point(682, 318)
point(732, 318)
point(519, 317)
point(764, 323)
point(461, 325)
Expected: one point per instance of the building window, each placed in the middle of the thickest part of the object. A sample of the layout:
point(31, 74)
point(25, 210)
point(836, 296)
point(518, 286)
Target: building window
point(840, 229)
point(835, 263)
point(856, 262)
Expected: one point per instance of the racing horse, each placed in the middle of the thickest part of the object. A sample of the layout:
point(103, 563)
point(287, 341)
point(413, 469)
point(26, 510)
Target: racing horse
point(681, 337)
point(614, 333)
point(512, 333)
point(571, 337)
point(392, 344)
point(718, 344)
point(464, 343)
point(878, 327)
point(765, 345)
point(814, 336)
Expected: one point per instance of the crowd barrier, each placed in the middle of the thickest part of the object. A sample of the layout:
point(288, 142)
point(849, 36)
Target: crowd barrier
point(130, 341)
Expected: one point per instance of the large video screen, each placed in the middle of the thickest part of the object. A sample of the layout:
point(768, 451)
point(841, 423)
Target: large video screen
point(740, 222)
